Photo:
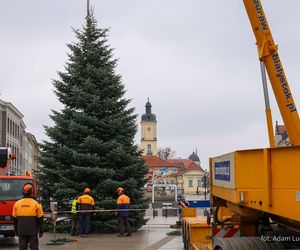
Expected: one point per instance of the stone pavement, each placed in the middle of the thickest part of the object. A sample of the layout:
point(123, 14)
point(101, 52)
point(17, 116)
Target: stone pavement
point(151, 237)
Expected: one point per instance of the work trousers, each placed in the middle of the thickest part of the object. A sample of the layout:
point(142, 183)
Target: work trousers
point(123, 221)
point(74, 223)
point(84, 223)
point(31, 240)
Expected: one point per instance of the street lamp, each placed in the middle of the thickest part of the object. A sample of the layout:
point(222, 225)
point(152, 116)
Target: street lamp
point(204, 181)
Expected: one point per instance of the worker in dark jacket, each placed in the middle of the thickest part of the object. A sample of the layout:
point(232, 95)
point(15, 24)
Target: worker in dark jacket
point(28, 219)
point(85, 202)
point(123, 202)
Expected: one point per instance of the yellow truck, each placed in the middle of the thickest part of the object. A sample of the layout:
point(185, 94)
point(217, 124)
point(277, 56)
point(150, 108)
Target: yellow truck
point(255, 194)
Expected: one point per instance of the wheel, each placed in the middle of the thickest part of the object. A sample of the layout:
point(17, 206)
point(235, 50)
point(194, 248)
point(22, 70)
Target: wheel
point(245, 243)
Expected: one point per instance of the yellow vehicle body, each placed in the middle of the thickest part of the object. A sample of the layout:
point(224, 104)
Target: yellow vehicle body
point(260, 187)
point(255, 189)
point(196, 233)
point(266, 180)
point(189, 212)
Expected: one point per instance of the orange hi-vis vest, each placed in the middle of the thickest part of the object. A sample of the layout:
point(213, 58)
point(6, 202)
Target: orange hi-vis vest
point(27, 212)
point(123, 199)
point(123, 202)
point(85, 202)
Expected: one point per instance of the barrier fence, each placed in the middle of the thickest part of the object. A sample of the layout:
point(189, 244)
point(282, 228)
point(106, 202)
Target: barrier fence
point(165, 207)
point(166, 212)
point(113, 210)
point(154, 210)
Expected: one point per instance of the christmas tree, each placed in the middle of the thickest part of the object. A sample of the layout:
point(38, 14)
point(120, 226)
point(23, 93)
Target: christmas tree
point(92, 140)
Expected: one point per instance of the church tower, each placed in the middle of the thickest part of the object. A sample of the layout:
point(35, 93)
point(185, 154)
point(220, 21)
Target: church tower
point(148, 132)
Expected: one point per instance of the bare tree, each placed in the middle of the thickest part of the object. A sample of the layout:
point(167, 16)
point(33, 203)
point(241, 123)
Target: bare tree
point(166, 153)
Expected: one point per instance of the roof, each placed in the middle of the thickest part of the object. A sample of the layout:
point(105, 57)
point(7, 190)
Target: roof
point(5, 106)
point(193, 166)
point(148, 116)
point(12, 108)
point(175, 174)
point(187, 164)
point(194, 157)
point(155, 161)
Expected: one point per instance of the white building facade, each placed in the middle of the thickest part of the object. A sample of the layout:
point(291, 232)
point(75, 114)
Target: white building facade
point(13, 135)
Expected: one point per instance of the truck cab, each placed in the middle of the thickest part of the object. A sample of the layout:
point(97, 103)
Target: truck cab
point(10, 192)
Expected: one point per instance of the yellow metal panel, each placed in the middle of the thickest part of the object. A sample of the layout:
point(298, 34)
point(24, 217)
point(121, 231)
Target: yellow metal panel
point(196, 230)
point(225, 193)
point(286, 167)
point(199, 234)
point(189, 212)
point(248, 168)
point(198, 220)
point(286, 204)
point(269, 180)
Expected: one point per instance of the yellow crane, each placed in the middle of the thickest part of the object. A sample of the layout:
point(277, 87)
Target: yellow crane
point(258, 190)
point(268, 54)
point(255, 193)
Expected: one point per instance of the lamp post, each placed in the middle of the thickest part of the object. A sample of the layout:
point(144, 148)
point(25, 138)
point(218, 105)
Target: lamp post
point(204, 179)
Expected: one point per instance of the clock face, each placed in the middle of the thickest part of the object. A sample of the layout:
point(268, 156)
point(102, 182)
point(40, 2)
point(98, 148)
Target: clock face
point(148, 129)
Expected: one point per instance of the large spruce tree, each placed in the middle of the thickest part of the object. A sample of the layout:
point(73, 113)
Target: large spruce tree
point(92, 140)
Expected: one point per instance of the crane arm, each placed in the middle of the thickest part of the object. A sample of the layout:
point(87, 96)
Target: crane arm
point(268, 53)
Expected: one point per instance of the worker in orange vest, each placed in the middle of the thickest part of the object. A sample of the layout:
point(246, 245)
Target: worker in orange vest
point(85, 202)
point(123, 202)
point(28, 219)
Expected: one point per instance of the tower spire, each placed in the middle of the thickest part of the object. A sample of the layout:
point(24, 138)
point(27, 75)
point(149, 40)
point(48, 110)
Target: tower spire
point(148, 107)
point(88, 8)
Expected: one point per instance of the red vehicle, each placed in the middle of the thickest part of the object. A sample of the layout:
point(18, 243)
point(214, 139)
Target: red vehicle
point(10, 192)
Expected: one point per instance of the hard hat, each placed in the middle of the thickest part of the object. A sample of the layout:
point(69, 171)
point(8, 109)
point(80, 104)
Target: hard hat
point(120, 189)
point(28, 189)
point(87, 190)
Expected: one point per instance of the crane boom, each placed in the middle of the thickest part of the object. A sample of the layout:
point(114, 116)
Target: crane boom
point(268, 53)
point(255, 193)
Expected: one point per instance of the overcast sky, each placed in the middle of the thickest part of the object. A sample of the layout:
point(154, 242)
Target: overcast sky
point(196, 60)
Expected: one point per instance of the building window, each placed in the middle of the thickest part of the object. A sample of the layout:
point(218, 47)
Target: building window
point(17, 160)
point(13, 129)
point(149, 149)
point(18, 132)
point(190, 183)
point(10, 127)
point(199, 183)
point(7, 126)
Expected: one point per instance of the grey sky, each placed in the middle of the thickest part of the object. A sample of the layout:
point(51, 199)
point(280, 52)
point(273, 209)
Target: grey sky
point(196, 60)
